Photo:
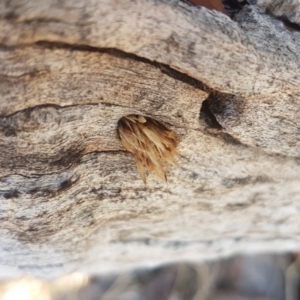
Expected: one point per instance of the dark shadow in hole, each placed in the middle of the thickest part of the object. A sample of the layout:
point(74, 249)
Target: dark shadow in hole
point(214, 105)
point(207, 116)
point(287, 23)
point(232, 7)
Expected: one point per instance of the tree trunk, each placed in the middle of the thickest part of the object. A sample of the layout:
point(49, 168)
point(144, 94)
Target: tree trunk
point(71, 196)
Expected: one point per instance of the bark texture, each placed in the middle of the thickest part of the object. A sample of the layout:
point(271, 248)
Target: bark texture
point(71, 197)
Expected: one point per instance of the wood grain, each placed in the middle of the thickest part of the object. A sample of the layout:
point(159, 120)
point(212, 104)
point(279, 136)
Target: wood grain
point(205, 45)
point(71, 197)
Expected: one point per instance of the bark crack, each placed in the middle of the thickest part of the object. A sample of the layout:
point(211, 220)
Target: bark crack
point(164, 68)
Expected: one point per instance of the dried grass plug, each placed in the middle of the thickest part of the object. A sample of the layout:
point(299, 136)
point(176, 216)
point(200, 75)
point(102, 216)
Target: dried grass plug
point(152, 144)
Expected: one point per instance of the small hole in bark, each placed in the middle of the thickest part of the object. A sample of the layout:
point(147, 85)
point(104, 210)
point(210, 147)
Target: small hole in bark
point(153, 145)
point(232, 7)
point(287, 23)
point(208, 116)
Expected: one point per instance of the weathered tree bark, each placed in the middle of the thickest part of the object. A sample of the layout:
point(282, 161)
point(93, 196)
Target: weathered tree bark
point(71, 197)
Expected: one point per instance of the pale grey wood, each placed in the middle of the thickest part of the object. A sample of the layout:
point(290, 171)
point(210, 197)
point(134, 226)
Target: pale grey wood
point(204, 44)
point(72, 103)
point(289, 9)
point(71, 197)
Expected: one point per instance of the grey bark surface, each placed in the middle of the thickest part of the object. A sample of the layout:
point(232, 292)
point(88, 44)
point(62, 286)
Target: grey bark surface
point(71, 197)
